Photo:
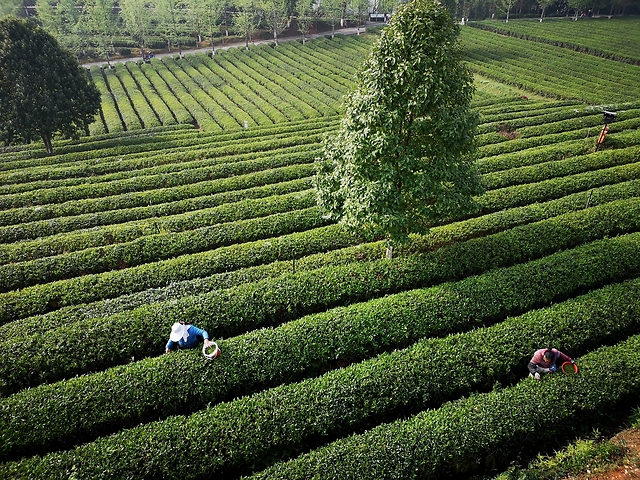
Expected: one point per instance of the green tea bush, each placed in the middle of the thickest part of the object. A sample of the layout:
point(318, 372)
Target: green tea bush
point(248, 433)
point(273, 301)
point(482, 432)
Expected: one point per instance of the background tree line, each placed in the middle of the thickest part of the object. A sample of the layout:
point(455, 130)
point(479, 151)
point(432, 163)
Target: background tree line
point(103, 27)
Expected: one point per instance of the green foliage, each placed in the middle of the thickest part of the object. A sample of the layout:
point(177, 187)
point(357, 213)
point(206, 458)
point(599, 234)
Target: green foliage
point(137, 20)
point(591, 454)
point(289, 378)
point(482, 431)
point(272, 301)
point(403, 157)
point(43, 90)
point(10, 7)
point(247, 433)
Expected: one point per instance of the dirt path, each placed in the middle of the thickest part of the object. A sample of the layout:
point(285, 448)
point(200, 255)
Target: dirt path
point(630, 468)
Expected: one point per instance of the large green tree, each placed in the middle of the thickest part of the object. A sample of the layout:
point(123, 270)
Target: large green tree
point(43, 90)
point(403, 157)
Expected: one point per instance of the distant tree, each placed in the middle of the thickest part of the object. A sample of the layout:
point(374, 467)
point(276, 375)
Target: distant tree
point(43, 90)
point(171, 16)
point(246, 20)
point(213, 10)
point(137, 20)
point(67, 16)
point(577, 6)
point(544, 4)
point(60, 20)
point(276, 16)
point(403, 156)
point(385, 6)
point(306, 14)
point(333, 11)
point(359, 10)
point(10, 7)
point(506, 6)
point(46, 17)
point(101, 23)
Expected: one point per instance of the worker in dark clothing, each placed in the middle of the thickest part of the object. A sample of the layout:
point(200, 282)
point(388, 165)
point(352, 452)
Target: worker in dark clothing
point(547, 360)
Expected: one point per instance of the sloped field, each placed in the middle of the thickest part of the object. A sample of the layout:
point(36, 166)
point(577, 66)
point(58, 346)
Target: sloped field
point(337, 363)
point(407, 368)
point(234, 88)
point(615, 38)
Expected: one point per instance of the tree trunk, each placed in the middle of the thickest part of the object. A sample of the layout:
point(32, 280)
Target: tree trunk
point(46, 138)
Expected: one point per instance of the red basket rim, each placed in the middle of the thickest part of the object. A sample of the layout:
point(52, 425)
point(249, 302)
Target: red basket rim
point(575, 367)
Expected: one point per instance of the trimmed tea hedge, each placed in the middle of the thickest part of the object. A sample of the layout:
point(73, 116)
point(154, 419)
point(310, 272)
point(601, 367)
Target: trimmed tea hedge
point(334, 337)
point(250, 432)
point(439, 236)
point(470, 435)
point(273, 301)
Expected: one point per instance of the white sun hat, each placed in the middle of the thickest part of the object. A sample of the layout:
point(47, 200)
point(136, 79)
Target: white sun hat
point(179, 331)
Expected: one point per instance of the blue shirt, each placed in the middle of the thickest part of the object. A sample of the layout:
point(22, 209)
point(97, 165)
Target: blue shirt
point(192, 338)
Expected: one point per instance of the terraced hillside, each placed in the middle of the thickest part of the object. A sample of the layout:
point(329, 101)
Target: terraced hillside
point(615, 38)
point(336, 363)
point(234, 88)
point(550, 70)
point(268, 86)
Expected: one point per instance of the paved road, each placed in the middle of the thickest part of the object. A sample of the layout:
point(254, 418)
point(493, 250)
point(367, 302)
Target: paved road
point(342, 31)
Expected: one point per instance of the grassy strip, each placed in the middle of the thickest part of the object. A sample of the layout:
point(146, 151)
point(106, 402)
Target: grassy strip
point(110, 218)
point(153, 248)
point(24, 251)
point(128, 232)
point(125, 207)
point(273, 301)
point(203, 154)
point(598, 45)
point(591, 162)
point(164, 140)
point(48, 297)
point(251, 432)
point(160, 180)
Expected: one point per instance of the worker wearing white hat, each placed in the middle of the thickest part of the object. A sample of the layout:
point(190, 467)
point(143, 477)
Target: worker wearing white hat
point(185, 335)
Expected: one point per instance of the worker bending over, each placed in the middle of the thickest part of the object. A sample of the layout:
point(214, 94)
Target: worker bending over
point(547, 360)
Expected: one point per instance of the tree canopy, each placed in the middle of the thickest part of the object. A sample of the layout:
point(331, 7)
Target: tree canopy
point(43, 90)
point(403, 157)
